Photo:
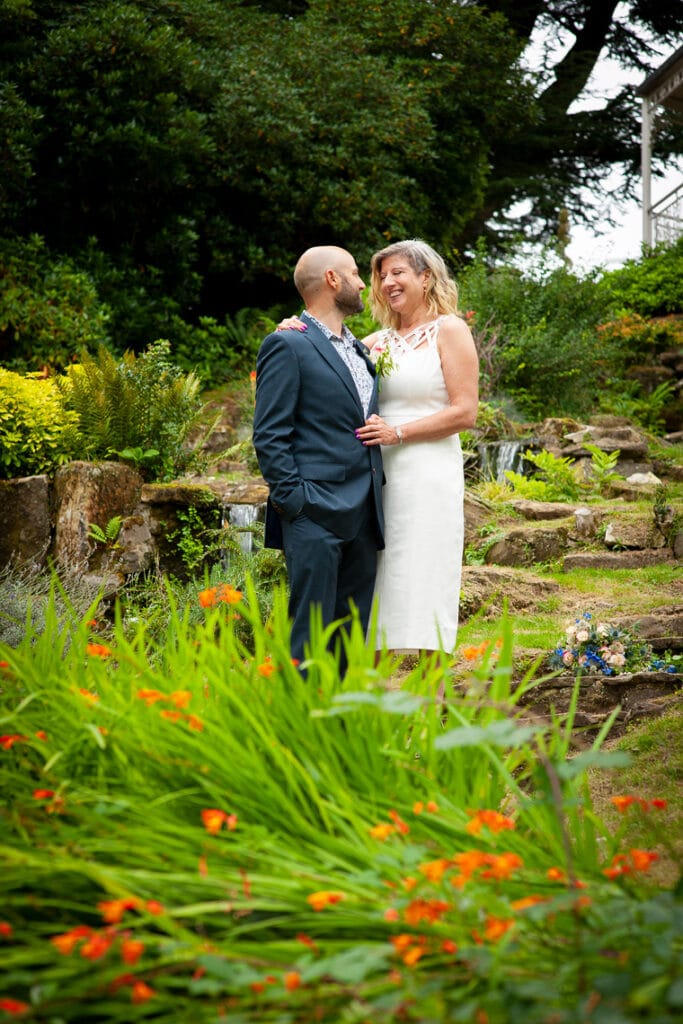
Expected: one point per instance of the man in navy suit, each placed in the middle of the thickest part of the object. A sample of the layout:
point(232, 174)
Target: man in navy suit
point(314, 389)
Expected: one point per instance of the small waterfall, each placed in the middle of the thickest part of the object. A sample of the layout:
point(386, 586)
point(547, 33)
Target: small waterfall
point(495, 457)
point(242, 517)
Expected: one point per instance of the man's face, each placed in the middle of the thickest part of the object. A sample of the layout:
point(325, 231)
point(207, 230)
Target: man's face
point(348, 299)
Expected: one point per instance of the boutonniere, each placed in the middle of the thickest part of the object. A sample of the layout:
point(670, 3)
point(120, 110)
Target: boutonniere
point(382, 358)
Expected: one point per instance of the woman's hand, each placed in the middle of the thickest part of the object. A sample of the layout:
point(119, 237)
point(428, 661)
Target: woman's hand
point(376, 431)
point(291, 323)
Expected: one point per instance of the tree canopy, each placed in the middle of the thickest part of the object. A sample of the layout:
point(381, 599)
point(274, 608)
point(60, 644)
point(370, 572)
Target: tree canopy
point(189, 150)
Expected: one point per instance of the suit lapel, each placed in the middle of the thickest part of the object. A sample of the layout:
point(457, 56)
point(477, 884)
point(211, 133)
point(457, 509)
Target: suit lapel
point(327, 350)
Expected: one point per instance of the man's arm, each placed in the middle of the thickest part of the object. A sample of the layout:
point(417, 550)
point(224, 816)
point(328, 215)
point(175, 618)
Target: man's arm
point(277, 391)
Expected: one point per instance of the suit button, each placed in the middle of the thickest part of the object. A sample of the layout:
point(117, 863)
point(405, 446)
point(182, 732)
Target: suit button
point(374, 470)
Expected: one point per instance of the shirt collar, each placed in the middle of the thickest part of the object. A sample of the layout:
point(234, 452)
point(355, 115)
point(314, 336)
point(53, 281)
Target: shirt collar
point(346, 334)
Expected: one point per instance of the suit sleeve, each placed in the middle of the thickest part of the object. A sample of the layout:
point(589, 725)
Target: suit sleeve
point(278, 382)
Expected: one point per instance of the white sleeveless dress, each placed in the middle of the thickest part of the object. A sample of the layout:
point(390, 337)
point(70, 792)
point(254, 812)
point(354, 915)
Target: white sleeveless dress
point(418, 574)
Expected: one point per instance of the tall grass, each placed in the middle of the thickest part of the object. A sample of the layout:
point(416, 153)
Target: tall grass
point(193, 831)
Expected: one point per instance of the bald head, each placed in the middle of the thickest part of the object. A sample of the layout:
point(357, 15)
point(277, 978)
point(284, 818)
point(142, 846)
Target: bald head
point(309, 273)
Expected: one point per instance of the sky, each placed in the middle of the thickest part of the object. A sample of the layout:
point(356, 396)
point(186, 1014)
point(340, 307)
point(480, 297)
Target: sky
point(602, 245)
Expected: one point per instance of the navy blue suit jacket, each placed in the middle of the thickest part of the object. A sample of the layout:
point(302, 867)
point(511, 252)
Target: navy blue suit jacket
point(307, 409)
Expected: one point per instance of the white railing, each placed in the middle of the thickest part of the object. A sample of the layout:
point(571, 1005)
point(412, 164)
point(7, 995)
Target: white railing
point(667, 217)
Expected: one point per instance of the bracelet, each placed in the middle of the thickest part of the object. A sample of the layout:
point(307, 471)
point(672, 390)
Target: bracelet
point(399, 434)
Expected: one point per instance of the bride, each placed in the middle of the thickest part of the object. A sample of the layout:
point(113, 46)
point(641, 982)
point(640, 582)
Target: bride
point(429, 373)
point(428, 393)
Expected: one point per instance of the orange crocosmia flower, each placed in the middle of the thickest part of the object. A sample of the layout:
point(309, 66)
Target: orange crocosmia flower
point(391, 914)
point(382, 831)
point(292, 981)
point(131, 950)
point(502, 865)
point(228, 594)
point(496, 927)
point(448, 946)
point(203, 867)
point(257, 987)
point(66, 942)
point(231, 822)
point(556, 875)
point(418, 807)
point(112, 911)
point(41, 735)
point(88, 695)
point(434, 869)
point(96, 945)
point(306, 940)
point(425, 910)
point(7, 742)
point(141, 992)
point(195, 723)
point(266, 668)
point(171, 716)
point(154, 907)
point(180, 698)
point(399, 822)
point(151, 696)
point(213, 819)
point(207, 598)
point(657, 803)
point(412, 955)
point(409, 883)
point(252, 376)
point(493, 820)
point(5, 929)
point(527, 901)
point(14, 1006)
point(432, 806)
point(98, 650)
point(324, 898)
point(43, 794)
point(642, 859)
point(470, 861)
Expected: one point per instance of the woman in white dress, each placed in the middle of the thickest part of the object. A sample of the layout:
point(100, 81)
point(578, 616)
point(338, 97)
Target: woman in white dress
point(428, 393)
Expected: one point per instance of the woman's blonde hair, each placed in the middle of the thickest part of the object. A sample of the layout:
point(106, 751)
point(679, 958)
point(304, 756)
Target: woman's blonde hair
point(441, 294)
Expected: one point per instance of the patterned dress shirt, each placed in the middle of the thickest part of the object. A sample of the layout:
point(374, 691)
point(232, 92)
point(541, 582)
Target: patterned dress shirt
point(357, 366)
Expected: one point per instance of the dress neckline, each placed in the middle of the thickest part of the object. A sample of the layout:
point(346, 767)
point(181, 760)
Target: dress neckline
point(417, 335)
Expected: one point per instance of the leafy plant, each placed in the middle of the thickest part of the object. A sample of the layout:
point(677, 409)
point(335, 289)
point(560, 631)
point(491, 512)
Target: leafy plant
point(197, 538)
point(108, 536)
point(37, 434)
point(626, 398)
point(137, 402)
point(556, 479)
point(602, 471)
point(651, 285)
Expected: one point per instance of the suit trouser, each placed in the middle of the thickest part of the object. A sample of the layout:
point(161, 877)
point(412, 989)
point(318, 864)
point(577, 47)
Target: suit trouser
point(329, 572)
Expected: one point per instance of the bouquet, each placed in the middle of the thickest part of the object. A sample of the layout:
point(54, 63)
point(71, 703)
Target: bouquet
point(593, 646)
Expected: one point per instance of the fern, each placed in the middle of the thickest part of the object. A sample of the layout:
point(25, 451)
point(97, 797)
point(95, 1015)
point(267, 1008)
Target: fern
point(137, 402)
point(556, 480)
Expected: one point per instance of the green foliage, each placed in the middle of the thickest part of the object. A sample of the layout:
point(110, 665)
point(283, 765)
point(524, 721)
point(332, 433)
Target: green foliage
point(197, 538)
point(195, 795)
point(626, 398)
point(602, 469)
point(109, 535)
point(37, 433)
point(538, 329)
point(555, 478)
point(649, 286)
point(217, 352)
point(134, 402)
point(49, 308)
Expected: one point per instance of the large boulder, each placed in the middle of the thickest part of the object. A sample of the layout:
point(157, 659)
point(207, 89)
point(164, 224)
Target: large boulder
point(88, 493)
point(25, 520)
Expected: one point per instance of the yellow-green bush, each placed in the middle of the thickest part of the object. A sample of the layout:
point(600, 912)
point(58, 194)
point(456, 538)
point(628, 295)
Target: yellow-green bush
point(37, 433)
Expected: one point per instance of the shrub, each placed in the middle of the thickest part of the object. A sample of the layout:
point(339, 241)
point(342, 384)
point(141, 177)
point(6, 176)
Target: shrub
point(143, 402)
point(651, 285)
point(49, 309)
point(37, 434)
point(537, 332)
point(216, 352)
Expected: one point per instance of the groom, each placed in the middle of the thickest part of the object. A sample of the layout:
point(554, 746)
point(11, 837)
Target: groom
point(314, 388)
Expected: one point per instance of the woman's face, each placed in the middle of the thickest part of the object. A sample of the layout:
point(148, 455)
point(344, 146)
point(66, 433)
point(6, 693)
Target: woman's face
point(401, 286)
